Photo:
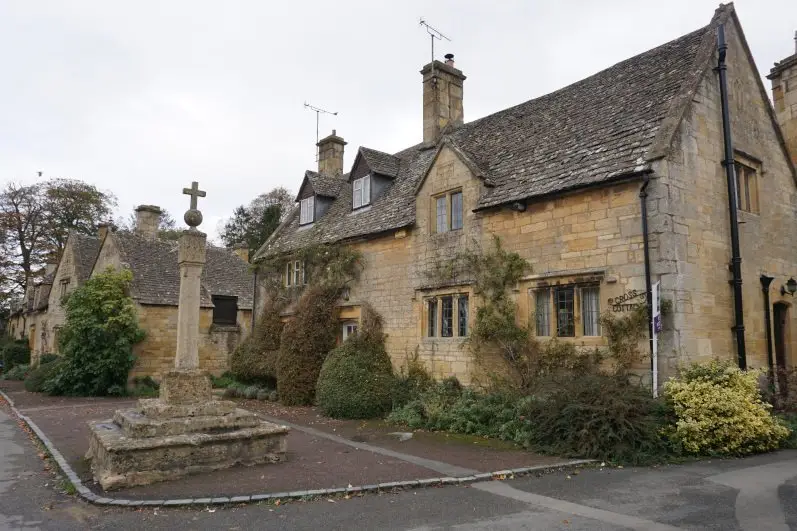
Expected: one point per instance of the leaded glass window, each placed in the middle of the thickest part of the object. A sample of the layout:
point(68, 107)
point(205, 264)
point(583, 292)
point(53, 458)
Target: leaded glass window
point(564, 302)
point(447, 322)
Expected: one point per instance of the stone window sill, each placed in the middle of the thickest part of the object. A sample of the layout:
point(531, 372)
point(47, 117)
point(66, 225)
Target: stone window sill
point(215, 327)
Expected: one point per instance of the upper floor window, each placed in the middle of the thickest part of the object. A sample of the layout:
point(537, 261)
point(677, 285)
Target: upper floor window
point(295, 274)
point(746, 188)
point(225, 310)
point(362, 192)
point(448, 211)
point(307, 209)
point(349, 329)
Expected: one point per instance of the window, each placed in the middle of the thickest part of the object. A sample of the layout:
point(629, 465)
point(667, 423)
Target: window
point(452, 317)
point(294, 274)
point(590, 311)
point(447, 326)
point(448, 212)
point(542, 311)
point(307, 207)
point(564, 301)
point(349, 329)
point(362, 192)
point(442, 214)
point(64, 286)
point(456, 210)
point(225, 310)
point(746, 188)
point(462, 315)
point(431, 325)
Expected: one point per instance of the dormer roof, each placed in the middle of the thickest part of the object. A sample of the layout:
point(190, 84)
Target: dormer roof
point(320, 184)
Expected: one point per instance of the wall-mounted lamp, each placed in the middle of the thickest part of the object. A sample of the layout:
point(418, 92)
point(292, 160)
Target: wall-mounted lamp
point(790, 287)
point(519, 206)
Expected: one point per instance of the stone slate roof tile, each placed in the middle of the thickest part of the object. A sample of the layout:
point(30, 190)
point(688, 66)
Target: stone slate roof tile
point(156, 275)
point(381, 162)
point(85, 249)
point(323, 184)
point(593, 131)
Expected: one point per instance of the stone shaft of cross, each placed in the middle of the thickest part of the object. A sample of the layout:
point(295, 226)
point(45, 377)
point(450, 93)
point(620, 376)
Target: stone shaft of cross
point(194, 192)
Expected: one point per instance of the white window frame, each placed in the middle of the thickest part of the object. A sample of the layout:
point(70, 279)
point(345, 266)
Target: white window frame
point(298, 273)
point(361, 192)
point(349, 328)
point(307, 210)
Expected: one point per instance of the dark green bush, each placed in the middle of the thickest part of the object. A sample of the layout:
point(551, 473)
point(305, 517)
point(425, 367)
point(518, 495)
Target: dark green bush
point(223, 381)
point(145, 386)
point(305, 342)
point(255, 358)
point(35, 380)
point(597, 416)
point(357, 377)
point(18, 373)
point(97, 338)
point(47, 358)
point(433, 404)
point(412, 380)
point(15, 352)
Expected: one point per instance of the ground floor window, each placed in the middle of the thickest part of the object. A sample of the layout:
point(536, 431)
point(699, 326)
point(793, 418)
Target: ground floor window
point(555, 311)
point(225, 310)
point(448, 315)
point(349, 329)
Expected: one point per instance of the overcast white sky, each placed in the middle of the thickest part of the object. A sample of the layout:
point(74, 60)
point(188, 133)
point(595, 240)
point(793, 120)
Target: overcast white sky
point(140, 98)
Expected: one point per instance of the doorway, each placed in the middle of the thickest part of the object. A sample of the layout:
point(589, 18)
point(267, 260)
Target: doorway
point(781, 329)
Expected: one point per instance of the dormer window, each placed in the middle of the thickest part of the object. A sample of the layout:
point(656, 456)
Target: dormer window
point(362, 192)
point(307, 209)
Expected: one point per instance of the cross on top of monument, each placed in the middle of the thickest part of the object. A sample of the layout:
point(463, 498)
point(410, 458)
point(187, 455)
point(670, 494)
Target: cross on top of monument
point(193, 217)
point(194, 192)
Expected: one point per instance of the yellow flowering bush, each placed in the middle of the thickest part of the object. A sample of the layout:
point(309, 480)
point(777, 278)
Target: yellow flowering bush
point(720, 411)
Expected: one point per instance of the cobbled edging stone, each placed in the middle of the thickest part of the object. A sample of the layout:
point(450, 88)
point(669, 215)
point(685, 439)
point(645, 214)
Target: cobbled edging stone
point(88, 495)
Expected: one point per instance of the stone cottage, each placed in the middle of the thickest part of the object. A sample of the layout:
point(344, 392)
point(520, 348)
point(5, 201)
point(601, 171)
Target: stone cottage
point(227, 294)
point(577, 181)
point(226, 298)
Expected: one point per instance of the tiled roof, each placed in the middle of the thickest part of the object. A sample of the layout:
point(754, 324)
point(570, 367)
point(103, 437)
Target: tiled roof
point(323, 184)
point(605, 127)
point(85, 249)
point(156, 276)
point(380, 162)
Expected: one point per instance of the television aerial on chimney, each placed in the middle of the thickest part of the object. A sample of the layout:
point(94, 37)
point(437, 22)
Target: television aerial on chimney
point(433, 34)
point(318, 111)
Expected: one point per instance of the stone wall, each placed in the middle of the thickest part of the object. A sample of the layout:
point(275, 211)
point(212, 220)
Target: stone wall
point(689, 216)
point(155, 355)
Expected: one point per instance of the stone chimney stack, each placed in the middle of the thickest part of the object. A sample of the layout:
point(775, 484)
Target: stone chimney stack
point(242, 250)
point(784, 93)
point(103, 229)
point(442, 98)
point(147, 221)
point(330, 155)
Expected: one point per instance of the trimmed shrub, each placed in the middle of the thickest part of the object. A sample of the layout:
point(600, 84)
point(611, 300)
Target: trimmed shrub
point(357, 377)
point(262, 394)
point(251, 392)
point(273, 396)
point(35, 380)
point(430, 409)
point(18, 373)
point(230, 392)
point(720, 411)
point(305, 342)
point(223, 381)
point(97, 338)
point(15, 352)
point(255, 358)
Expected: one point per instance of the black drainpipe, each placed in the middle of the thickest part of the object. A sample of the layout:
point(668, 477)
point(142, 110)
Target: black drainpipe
point(643, 199)
point(730, 171)
point(765, 282)
point(254, 301)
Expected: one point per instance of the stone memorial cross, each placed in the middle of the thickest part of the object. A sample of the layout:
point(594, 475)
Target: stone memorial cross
point(190, 259)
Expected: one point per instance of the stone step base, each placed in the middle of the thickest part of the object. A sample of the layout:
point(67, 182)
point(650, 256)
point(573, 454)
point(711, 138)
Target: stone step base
point(136, 424)
point(155, 408)
point(118, 461)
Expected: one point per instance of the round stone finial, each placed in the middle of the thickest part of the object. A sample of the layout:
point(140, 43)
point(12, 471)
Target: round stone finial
point(193, 217)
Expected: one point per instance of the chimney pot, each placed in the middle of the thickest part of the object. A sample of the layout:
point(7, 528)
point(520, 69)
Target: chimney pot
point(147, 221)
point(449, 59)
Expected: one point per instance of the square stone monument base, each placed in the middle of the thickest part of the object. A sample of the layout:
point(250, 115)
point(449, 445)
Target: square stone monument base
point(183, 432)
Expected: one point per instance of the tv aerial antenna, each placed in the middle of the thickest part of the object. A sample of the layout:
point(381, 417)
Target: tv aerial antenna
point(433, 34)
point(318, 112)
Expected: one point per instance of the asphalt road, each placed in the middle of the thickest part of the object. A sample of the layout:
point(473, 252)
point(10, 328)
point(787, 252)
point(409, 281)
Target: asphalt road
point(758, 493)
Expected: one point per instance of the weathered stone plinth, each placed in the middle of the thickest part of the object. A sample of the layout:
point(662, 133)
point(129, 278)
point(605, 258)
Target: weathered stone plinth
point(182, 432)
